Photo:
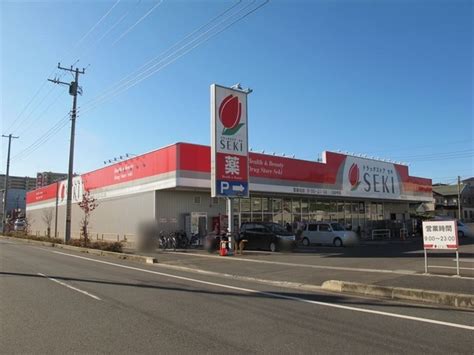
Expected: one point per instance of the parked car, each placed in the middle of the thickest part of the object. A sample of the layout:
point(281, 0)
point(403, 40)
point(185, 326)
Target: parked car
point(328, 233)
point(19, 225)
point(267, 236)
point(464, 231)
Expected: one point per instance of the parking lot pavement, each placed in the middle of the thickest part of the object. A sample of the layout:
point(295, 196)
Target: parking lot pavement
point(397, 265)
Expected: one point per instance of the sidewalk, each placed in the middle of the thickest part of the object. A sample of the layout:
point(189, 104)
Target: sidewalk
point(381, 265)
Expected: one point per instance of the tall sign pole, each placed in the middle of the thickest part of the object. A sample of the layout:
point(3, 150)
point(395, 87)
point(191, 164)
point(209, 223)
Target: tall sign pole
point(459, 199)
point(229, 144)
point(7, 176)
point(73, 91)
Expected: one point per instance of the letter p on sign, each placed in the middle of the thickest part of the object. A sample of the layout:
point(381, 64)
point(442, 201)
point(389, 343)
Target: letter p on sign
point(224, 186)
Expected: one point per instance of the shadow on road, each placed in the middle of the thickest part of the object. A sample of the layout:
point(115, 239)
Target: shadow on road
point(326, 298)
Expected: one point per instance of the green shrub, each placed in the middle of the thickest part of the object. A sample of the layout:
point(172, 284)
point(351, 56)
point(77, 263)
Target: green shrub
point(23, 235)
point(100, 245)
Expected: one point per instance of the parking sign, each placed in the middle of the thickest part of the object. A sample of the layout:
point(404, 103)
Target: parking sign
point(229, 142)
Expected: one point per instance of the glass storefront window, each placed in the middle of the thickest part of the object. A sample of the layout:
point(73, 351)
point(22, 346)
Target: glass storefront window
point(276, 205)
point(245, 217)
point(296, 206)
point(267, 217)
point(332, 211)
point(322, 211)
point(348, 213)
point(313, 206)
point(287, 205)
point(277, 218)
point(256, 204)
point(340, 212)
point(304, 206)
point(266, 204)
point(380, 212)
point(245, 205)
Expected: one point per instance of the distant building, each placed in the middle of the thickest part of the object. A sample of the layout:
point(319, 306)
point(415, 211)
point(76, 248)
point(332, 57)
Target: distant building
point(18, 182)
point(446, 200)
point(47, 177)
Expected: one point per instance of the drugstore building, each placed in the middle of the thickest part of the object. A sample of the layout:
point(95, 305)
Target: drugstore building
point(172, 185)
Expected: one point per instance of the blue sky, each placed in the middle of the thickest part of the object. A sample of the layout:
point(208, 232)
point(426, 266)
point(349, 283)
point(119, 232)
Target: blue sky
point(387, 78)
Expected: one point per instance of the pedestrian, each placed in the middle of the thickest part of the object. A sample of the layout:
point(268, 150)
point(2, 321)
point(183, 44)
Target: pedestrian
point(288, 227)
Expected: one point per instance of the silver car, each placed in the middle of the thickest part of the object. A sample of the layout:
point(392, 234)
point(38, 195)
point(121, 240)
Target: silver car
point(464, 231)
point(328, 233)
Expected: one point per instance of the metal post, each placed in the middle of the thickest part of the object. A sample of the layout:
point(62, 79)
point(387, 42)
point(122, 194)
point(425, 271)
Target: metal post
point(73, 90)
point(230, 221)
point(459, 199)
point(56, 212)
point(426, 262)
point(71, 163)
point(457, 262)
point(7, 176)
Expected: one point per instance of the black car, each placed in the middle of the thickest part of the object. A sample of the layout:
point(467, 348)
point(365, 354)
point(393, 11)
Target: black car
point(266, 235)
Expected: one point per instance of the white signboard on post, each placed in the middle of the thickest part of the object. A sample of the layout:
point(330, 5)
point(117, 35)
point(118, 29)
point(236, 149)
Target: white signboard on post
point(440, 235)
point(229, 142)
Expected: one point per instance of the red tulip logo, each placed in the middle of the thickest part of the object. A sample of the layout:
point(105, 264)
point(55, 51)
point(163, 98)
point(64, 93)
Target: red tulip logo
point(354, 176)
point(230, 112)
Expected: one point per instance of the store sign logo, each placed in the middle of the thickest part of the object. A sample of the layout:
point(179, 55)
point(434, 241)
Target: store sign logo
point(354, 178)
point(77, 190)
point(230, 111)
point(370, 178)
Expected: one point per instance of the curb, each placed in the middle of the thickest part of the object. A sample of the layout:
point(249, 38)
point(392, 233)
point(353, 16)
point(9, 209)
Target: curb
point(457, 300)
point(123, 256)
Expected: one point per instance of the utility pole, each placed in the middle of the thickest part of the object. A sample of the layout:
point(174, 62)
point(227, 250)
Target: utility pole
point(7, 176)
point(56, 211)
point(459, 199)
point(73, 91)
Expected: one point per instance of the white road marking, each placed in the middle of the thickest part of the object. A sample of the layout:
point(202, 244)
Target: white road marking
point(451, 267)
point(341, 268)
point(463, 260)
point(275, 295)
point(234, 258)
point(71, 287)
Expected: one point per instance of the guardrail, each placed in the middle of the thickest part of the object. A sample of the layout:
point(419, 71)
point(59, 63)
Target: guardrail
point(381, 233)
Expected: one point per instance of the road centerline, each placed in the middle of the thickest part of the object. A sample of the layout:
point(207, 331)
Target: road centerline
point(275, 295)
point(70, 287)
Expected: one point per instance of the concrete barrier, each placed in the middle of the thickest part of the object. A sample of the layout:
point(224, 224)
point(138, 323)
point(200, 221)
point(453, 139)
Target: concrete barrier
point(458, 300)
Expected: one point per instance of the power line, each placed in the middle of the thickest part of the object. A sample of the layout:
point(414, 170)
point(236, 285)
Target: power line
point(52, 72)
point(57, 127)
point(95, 25)
point(42, 139)
point(137, 22)
point(60, 124)
point(134, 81)
point(143, 68)
point(120, 20)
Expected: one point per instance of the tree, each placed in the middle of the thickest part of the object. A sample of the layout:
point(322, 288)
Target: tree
point(47, 218)
point(87, 205)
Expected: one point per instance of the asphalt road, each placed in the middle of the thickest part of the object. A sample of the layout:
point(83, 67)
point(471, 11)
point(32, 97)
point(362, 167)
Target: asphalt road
point(53, 301)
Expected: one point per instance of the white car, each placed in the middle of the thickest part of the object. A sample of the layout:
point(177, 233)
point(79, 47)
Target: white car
point(328, 233)
point(464, 231)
